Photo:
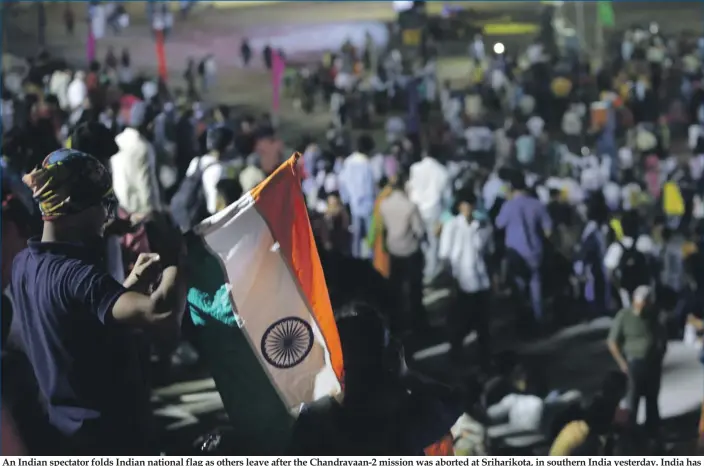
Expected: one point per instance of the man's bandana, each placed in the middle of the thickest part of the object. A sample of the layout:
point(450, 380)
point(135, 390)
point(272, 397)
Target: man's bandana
point(69, 182)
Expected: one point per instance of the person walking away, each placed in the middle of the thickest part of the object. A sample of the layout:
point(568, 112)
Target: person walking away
point(134, 166)
point(638, 341)
point(376, 237)
point(430, 190)
point(77, 92)
point(404, 231)
point(466, 245)
point(58, 85)
point(268, 56)
point(190, 77)
point(77, 323)
point(527, 225)
point(110, 59)
point(69, 20)
point(245, 52)
point(124, 71)
point(208, 73)
point(211, 166)
point(628, 260)
point(358, 191)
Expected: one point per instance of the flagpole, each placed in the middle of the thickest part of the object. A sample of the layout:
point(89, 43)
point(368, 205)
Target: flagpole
point(161, 54)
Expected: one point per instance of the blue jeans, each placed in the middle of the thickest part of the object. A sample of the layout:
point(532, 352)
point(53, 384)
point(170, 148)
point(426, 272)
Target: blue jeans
point(430, 250)
point(360, 228)
point(527, 278)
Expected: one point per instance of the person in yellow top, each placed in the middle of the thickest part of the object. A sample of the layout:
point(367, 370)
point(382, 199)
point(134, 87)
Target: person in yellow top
point(590, 436)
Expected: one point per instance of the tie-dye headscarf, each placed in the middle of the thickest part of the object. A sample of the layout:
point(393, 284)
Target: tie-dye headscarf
point(69, 182)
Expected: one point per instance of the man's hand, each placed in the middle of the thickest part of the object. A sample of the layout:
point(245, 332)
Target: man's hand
point(624, 368)
point(144, 272)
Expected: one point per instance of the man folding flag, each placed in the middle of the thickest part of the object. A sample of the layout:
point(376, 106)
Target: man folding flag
point(260, 305)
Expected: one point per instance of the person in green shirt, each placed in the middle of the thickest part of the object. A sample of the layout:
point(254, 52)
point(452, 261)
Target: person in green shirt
point(637, 341)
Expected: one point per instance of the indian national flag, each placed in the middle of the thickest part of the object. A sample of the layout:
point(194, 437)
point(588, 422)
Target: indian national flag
point(260, 305)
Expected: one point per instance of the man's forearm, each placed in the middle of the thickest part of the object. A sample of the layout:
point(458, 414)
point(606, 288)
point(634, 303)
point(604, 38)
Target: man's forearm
point(616, 353)
point(172, 290)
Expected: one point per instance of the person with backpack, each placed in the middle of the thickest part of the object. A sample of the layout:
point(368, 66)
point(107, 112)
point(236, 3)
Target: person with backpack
point(628, 260)
point(197, 196)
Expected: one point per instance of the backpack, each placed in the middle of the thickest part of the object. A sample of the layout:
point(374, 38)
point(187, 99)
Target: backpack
point(188, 206)
point(633, 268)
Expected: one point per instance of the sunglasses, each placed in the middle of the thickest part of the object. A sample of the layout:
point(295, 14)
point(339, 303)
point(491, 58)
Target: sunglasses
point(110, 204)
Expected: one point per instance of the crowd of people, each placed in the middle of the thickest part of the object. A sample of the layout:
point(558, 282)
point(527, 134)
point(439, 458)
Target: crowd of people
point(563, 191)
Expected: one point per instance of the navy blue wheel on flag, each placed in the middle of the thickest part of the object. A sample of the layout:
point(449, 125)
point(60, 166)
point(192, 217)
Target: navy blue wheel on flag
point(287, 342)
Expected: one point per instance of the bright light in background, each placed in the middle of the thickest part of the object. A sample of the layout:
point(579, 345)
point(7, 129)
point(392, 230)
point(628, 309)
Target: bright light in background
point(402, 6)
point(654, 28)
point(499, 48)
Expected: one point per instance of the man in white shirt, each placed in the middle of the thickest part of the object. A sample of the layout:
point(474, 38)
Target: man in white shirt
point(430, 188)
point(77, 91)
point(213, 169)
point(465, 245)
point(134, 172)
point(358, 191)
point(58, 85)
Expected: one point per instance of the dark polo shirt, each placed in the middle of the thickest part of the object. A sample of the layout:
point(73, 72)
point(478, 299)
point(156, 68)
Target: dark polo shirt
point(87, 366)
